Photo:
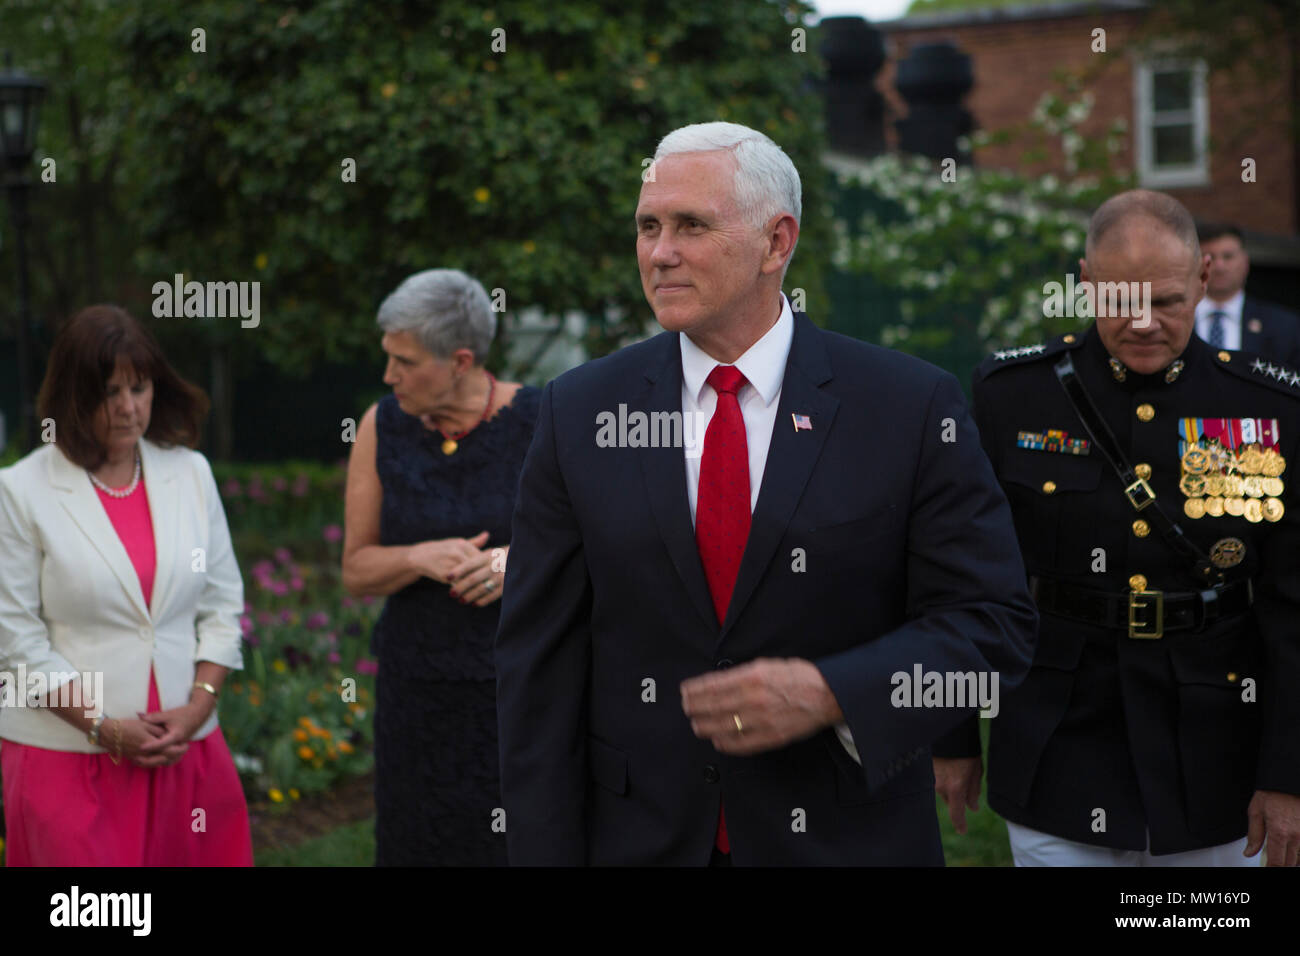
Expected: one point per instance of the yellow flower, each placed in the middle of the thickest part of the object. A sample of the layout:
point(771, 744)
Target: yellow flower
point(652, 57)
point(276, 796)
point(279, 666)
point(305, 752)
point(320, 732)
point(261, 260)
point(293, 792)
point(300, 735)
point(332, 754)
point(345, 747)
point(529, 246)
point(482, 194)
point(387, 90)
point(638, 83)
point(305, 723)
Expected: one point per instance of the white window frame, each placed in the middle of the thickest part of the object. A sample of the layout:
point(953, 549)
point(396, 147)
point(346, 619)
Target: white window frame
point(1195, 173)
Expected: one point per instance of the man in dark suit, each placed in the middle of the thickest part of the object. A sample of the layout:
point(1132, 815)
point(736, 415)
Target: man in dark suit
point(1230, 319)
point(1159, 724)
point(708, 654)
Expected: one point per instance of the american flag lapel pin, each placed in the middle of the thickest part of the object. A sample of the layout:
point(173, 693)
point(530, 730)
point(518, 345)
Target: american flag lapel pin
point(802, 422)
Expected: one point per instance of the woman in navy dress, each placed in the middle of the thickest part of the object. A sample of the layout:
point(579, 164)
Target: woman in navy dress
point(430, 493)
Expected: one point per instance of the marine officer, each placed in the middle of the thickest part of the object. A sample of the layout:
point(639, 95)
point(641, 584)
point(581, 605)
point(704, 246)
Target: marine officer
point(1150, 477)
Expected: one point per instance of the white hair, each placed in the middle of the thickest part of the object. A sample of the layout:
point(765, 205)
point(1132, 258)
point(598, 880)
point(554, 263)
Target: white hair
point(766, 182)
point(445, 310)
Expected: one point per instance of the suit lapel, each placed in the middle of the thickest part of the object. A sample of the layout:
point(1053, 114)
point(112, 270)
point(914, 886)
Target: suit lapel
point(160, 482)
point(665, 476)
point(79, 498)
point(791, 456)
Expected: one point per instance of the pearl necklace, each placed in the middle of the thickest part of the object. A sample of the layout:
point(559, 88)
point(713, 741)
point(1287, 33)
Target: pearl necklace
point(123, 492)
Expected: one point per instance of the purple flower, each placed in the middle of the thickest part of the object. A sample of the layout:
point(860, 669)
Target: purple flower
point(286, 616)
point(332, 639)
point(348, 602)
point(368, 600)
point(253, 640)
point(296, 584)
point(283, 556)
point(317, 620)
point(301, 485)
point(245, 624)
point(279, 588)
point(263, 568)
point(232, 488)
point(332, 533)
point(278, 483)
point(265, 618)
point(333, 657)
point(367, 666)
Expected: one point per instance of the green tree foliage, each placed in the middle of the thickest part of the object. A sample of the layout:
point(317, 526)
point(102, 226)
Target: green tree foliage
point(520, 165)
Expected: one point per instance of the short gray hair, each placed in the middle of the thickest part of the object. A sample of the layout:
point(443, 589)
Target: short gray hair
point(445, 310)
point(766, 182)
point(1145, 203)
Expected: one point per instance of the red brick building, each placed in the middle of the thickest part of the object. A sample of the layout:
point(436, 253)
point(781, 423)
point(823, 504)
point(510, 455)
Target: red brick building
point(1189, 128)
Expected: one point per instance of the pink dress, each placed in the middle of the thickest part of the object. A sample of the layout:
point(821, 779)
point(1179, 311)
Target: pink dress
point(75, 809)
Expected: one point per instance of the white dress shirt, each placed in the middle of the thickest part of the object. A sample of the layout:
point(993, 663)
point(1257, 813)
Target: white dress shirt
point(1231, 320)
point(763, 365)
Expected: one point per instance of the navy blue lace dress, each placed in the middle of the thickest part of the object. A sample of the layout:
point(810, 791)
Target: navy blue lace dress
point(436, 778)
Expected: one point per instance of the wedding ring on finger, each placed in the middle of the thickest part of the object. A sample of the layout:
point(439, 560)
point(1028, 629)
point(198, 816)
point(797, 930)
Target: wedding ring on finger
point(489, 585)
point(740, 728)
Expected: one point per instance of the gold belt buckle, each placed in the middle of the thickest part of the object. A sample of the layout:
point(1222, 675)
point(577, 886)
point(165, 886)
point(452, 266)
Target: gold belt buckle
point(1142, 486)
point(1134, 605)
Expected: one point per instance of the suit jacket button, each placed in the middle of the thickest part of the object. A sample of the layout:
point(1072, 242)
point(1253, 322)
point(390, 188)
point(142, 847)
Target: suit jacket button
point(725, 662)
point(711, 774)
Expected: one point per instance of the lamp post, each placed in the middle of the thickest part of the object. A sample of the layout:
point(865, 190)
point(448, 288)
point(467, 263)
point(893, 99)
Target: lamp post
point(20, 97)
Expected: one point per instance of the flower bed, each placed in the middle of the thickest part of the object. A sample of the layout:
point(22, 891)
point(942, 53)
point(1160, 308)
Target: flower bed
point(298, 717)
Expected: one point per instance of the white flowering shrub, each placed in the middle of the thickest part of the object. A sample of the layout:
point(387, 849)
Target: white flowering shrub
point(962, 264)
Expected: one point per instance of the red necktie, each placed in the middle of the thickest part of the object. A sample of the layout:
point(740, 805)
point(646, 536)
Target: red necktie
point(722, 505)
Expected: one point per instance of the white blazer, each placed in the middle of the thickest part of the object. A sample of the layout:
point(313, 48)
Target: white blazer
point(70, 600)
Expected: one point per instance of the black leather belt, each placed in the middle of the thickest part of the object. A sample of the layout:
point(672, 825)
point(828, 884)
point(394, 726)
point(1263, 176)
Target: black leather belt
point(1143, 614)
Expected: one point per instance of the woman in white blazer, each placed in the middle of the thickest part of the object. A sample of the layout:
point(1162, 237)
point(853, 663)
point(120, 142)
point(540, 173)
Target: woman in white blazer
point(120, 599)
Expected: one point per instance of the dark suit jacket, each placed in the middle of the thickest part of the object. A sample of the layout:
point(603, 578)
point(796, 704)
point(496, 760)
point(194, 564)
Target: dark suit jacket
point(909, 556)
point(1279, 336)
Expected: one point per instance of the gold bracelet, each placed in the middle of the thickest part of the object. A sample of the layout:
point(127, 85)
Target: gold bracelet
point(208, 687)
point(117, 735)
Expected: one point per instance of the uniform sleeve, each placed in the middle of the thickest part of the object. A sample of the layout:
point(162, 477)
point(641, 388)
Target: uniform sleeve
point(968, 608)
point(24, 638)
point(222, 599)
point(1277, 611)
point(543, 663)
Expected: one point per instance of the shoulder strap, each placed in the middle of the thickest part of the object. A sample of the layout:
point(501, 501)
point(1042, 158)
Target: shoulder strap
point(1138, 492)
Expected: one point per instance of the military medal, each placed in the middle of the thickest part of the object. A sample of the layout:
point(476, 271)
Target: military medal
point(1227, 553)
point(451, 441)
point(1228, 465)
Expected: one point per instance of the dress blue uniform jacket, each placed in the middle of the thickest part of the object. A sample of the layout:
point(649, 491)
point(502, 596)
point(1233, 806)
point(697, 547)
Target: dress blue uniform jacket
point(880, 540)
